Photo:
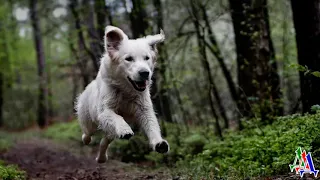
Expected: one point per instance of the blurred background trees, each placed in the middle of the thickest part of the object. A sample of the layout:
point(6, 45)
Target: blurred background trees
point(227, 76)
point(223, 63)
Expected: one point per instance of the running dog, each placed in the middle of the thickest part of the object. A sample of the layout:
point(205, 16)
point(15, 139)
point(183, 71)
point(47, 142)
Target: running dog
point(120, 94)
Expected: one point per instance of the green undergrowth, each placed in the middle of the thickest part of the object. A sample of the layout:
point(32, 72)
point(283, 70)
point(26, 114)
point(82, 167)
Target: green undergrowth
point(5, 141)
point(196, 153)
point(256, 152)
point(63, 132)
point(11, 172)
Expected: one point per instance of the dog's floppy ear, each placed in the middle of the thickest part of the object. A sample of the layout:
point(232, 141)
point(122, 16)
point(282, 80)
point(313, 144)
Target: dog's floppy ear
point(153, 40)
point(113, 38)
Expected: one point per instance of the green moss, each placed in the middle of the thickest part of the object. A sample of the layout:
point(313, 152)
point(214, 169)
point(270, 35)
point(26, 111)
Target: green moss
point(64, 131)
point(11, 172)
point(257, 151)
point(133, 150)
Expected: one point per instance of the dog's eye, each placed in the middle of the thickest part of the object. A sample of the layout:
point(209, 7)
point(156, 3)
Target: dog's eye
point(129, 58)
point(146, 58)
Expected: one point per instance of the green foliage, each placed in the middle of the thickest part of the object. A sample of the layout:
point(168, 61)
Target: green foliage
point(5, 144)
point(183, 143)
point(316, 73)
point(196, 143)
point(305, 69)
point(299, 67)
point(5, 141)
point(315, 108)
point(133, 150)
point(11, 172)
point(64, 131)
point(256, 152)
point(67, 132)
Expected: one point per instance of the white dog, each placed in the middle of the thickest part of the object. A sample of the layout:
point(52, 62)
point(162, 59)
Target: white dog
point(120, 93)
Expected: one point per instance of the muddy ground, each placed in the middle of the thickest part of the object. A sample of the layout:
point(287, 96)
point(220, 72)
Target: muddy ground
point(47, 160)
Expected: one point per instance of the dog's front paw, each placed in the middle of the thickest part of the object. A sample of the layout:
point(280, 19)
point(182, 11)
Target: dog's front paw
point(162, 147)
point(125, 133)
point(126, 136)
point(102, 159)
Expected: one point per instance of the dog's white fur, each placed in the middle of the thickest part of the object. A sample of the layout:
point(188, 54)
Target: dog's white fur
point(110, 101)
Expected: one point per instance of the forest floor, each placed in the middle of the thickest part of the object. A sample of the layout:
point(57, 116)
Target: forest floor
point(57, 152)
point(45, 159)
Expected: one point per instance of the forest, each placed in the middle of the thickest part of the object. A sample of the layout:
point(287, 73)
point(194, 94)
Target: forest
point(236, 88)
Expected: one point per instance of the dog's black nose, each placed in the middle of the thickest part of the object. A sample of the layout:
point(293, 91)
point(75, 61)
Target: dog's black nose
point(144, 74)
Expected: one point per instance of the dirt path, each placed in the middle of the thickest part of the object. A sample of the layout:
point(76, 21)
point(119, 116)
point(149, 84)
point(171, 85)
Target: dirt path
point(45, 160)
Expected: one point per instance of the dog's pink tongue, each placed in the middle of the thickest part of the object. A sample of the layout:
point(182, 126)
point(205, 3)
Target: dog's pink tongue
point(143, 85)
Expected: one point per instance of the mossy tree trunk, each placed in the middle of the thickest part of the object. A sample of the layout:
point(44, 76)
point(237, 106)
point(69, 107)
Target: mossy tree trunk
point(258, 78)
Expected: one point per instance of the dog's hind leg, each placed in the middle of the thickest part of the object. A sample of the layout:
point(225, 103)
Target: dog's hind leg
point(88, 129)
point(86, 139)
point(87, 126)
point(102, 155)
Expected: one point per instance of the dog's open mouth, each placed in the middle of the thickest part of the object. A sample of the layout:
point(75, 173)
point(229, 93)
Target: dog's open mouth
point(139, 85)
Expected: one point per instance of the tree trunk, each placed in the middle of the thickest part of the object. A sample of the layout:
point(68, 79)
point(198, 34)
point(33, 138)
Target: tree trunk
point(274, 78)
point(257, 70)
point(306, 17)
point(101, 14)
point(217, 53)
point(288, 83)
point(138, 18)
point(80, 63)
point(206, 66)
point(50, 94)
point(42, 97)
point(49, 82)
point(163, 56)
point(73, 5)
point(92, 31)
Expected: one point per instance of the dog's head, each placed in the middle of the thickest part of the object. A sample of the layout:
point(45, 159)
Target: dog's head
point(132, 59)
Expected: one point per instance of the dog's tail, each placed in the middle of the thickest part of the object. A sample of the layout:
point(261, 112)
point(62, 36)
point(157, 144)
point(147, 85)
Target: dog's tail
point(76, 105)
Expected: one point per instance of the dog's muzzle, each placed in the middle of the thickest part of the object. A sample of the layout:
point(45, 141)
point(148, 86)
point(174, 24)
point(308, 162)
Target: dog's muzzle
point(144, 74)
